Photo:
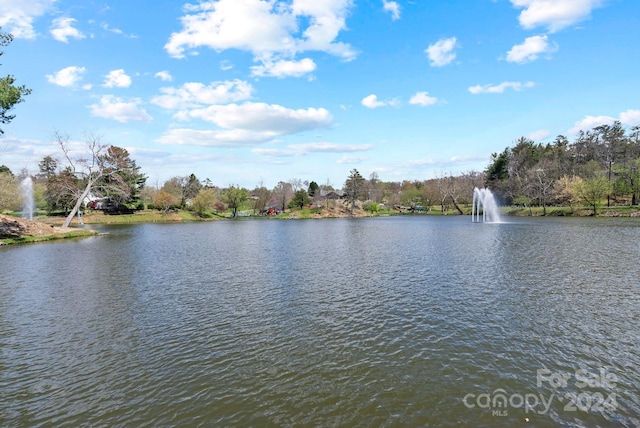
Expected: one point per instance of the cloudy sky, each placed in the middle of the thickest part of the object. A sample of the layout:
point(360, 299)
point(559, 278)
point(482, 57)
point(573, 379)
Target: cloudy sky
point(243, 91)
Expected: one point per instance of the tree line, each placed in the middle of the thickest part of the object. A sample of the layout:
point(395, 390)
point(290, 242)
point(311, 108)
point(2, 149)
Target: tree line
point(600, 166)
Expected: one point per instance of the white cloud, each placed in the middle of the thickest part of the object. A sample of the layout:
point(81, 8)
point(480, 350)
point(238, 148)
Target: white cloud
point(242, 124)
point(393, 8)
point(590, 122)
point(420, 162)
point(326, 20)
point(466, 159)
point(350, 159)
point(67, 77)
point(111, 107)
point(215, 138)
point(500, 88)
point(530, 49)
point(164, 75)
point(117, 79)
point(192, 94)
point(250, 25)
point(554, 14)
point(62, 29)
point(331, 147)
point(261, 117)
point(630, 117)
point(284, 153)
point(16, 17)
point(442, 52)
point(302, 149)
point(627, 118)
point(541, 134)
point(267, 28)
point(118, 31)
point(422, 99)
point(371, 101)
point(284, 68)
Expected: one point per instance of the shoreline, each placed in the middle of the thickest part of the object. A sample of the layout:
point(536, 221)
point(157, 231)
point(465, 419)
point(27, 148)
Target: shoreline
point(46, 228)
point(15, 230)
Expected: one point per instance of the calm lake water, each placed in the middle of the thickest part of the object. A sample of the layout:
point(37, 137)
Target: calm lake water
point(401, 321)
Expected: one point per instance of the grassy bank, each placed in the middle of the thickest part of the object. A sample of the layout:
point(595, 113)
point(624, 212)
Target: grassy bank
point(618, 211)
point(154, 216)
point(32, 239)
point(149, 216)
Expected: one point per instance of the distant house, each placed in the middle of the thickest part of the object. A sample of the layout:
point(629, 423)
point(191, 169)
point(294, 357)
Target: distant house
point(331, 194)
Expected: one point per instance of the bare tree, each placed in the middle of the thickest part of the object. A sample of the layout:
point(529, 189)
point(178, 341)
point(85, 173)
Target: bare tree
point(296, 184)
point(448, 188)
point(261, 197)
point(541, 184)
point(373, 187)
point(101, 166)
point(283, 193)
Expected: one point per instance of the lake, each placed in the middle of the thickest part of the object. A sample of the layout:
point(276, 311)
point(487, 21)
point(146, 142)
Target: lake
point(399, 321)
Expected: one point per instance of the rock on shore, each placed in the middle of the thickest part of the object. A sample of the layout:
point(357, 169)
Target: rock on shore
point(14, 227)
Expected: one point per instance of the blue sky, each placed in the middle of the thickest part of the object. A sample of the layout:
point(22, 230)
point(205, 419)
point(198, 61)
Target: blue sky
point(250, 91)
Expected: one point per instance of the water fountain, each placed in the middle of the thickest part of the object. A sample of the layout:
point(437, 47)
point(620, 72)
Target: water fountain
point(484, 203)
point(26, 188)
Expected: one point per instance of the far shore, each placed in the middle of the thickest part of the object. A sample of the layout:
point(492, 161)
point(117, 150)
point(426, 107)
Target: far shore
point(179, 216)
point(47, 228)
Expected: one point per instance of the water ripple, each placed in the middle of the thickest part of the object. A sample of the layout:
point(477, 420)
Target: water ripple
point(382, 322)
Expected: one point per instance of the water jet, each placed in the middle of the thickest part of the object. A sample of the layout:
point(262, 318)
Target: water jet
point(485, 205)
point(26, 188)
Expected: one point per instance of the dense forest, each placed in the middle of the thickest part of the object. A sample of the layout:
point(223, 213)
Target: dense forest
point(599, 167)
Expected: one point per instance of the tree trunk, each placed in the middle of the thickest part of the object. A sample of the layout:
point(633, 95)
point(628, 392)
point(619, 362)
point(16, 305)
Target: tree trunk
point(455, 204)
point(75, 209)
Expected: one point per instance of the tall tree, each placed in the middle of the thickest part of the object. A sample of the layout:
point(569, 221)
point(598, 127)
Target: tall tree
point(10, 94)
point(48, 167)
point(353, 188)
point(192, 187)
point(312, 189)
point(122, 181)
